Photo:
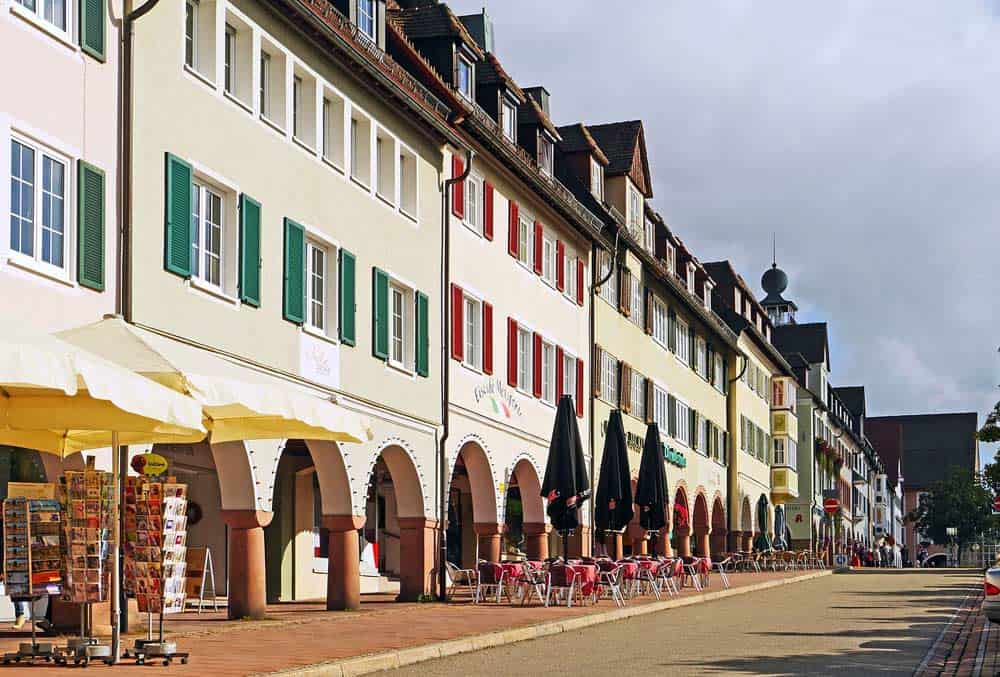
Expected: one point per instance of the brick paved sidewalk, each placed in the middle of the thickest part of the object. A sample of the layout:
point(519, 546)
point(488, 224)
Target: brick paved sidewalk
point(301, 634)
point(969, 646)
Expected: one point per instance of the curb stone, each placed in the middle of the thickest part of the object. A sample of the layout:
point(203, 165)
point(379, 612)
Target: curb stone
point(365, 665)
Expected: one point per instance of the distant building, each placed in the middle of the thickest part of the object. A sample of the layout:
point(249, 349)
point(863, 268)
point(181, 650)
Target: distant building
point(932, 444)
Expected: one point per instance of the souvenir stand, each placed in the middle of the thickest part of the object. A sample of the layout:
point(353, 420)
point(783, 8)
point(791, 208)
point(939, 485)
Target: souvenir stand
point(32, 560)
point(89, 531)
point(155, 561)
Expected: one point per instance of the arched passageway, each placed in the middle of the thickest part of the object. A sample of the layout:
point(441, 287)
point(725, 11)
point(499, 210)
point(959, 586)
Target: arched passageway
point(701, 525)
point(474, 531)
point(681, 531)
point(719, 532)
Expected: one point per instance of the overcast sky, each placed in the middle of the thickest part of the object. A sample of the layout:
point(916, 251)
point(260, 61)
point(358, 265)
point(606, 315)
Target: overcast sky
point(865, 135)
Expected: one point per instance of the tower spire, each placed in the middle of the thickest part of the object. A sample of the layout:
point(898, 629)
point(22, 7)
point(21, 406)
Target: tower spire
point(774, 249)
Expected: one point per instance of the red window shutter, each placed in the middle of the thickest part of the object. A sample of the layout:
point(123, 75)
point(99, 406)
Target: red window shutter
point(579, 388)
point(538, 365)
point(579, 281)
point(512, 232)
point(487, 338)
point(559, 373)
point(560, 265)
point(458, 189)
point(538, 247)
point(512, 352)
point(457, 342)
point(488, 210)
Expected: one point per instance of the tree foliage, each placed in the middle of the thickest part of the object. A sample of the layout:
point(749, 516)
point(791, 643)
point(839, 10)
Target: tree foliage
point(961, 500)
point(990, 432)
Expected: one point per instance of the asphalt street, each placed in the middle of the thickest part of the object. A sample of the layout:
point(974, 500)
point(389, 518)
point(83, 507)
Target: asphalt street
point(863, 623)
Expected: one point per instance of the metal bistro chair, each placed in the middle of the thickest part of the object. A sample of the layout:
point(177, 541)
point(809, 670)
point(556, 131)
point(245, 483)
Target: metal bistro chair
point(610, 581)
point(460, 579)
point(534, 581)
point(563, 579)
point(721, 567)
point(492, 579)
point(665, 577)
point(646, 578)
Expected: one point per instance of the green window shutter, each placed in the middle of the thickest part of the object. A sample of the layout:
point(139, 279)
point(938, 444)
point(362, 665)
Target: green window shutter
point(671, 416)
point(177, 247)
point(672, 332)
point(423, 335)
point(90, 220)
point(294, 291)
point(249, 251)
point(92, 27)
point(347, 298)
point(380, 314)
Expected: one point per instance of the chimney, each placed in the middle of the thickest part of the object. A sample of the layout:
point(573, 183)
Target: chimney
point(481, 27)
point(540, 96)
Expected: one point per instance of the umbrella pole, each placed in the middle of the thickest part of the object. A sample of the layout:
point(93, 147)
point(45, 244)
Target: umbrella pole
point(115, 553)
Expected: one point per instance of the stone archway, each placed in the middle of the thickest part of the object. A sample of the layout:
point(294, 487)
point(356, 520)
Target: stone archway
point(531, 521)
point(681, 541)
point(746, 525)
point(719, 530)
point(474, 528)
point(701, 524)
point(396, 522)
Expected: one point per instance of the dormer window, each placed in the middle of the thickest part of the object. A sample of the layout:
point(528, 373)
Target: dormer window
point(690, 277)
point(708, 295)
point(366, 18)
point(508, 119)
point(597, 179)
point(545, 154)
point(463, 77)
point(649, 237)
point(634, 210)
point(669, 256)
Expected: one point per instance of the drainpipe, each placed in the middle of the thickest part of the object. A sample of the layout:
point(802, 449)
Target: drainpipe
point(443, 475)
point(123, 301)
point(732, 471)
point(593, 341)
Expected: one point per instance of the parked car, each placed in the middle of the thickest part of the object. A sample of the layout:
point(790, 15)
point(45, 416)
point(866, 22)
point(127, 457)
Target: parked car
point(936, 561)
point(991, 599)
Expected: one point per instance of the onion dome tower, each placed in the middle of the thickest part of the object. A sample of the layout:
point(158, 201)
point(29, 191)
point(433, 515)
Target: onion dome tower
point(775, 281)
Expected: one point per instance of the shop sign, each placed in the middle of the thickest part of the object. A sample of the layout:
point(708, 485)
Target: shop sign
point(149, 464)
point(637, 442)
point(319, 360)
point(497, 398)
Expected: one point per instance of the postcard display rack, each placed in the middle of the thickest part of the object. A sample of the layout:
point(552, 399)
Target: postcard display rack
point(32, 561)
point(89, 530)
point(155, 558)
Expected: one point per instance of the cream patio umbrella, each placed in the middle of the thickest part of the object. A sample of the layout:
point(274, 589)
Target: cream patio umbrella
point(239, 402)
point(58, 398)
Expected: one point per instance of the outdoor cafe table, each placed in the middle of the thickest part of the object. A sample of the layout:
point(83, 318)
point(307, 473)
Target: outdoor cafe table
point(514, 570)
point(587, 576)
point(630, 570)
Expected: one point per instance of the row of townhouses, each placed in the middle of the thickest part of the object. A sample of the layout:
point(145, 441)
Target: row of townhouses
point(354, 196)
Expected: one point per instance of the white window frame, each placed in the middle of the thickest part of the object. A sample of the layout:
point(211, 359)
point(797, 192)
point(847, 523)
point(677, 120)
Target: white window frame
point(596, 179)
point(508, 113)
point(473, 216)
point(229, 58)
point(472, 332)
point(190, 20)
point(671, 257)
point(649, 236)
point(637, 386)
point(372, 15)
point(719, 374)
point(525, 359)
point(661, 323)
point(682, 415)
point(329, 301)
point(460, 61)
point(297, 85)
point(609, 378)
point(683, 342)
point(526, 241)
point(548, 372)
point(264, 90)
point(199, 247)
point(638, 310)
point(609, 290)
point(635, 213)
point(661, 408)
point(37, 15)
point(779, 451)
point(548, 260)
point(35, 260)
point(569, 375)
point(546, 157)
point(701, 356)
point(402, 337)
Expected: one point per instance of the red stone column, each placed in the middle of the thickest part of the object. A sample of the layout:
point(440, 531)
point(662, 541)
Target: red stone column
point(748, 538)
point(663, 546)
point(418, 542)
point(639, 546)
point(489, 540)
point(580, 543)
point(343, 580)
point(702, 546)
point(718, 540)
point(613, 542)
point(683, 541)
point(536, 540)
point(735, 540)
point(247, 583)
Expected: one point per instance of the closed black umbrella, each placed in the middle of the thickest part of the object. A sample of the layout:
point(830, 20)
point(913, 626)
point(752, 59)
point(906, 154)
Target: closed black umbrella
point(651, 488)
point(566, 485)
point(613, 502)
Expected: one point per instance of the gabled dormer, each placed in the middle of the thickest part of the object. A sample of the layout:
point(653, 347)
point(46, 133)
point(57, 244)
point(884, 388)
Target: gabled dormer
point(443, 40)
point(496, 91)
point(535, 131)
point(627, 181)
point(368, 16)
point(581, 160)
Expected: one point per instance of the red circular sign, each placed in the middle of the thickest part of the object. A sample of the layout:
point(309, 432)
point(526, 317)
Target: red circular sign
point(831, 505)
point(996, 503)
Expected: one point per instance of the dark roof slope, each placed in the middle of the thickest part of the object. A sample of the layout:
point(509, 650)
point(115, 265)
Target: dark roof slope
point(853, 398)
point(618, 140)
point(935, 443)
point(809, 340)
point(491, 72)
point(887, 438)
point(576, 139)
point(428, 21)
